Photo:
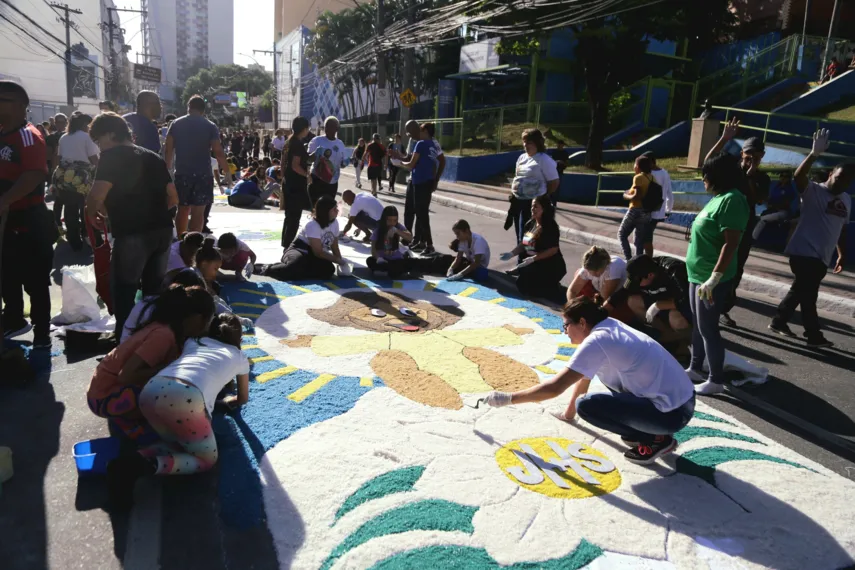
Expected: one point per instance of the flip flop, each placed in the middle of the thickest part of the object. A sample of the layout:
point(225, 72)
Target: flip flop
point(378, 313)
point(405, 328)
point(406, 311)
point(560, 417)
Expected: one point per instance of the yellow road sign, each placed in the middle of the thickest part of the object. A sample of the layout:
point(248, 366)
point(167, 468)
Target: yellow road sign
point(408, 98)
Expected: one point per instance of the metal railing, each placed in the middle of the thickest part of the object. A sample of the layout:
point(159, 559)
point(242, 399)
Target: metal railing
point(602, 175)
point(769, 120)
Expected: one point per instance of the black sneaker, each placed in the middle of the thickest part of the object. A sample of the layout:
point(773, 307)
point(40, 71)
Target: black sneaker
point(41, 341)
point(429, 250)
point(629, 442)
point(417, 247)
point(782, 329)
point(18, 328)
point(644, 454)
point(819, 342)
point(725, 320)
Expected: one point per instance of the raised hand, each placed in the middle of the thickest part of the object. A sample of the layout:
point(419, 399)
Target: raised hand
point(731, 128)
point(820, 142)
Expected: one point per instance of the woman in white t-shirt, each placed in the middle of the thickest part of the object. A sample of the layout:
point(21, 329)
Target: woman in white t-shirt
point(72, 178)
point(179, 401)
point(473, 254)
point(536, 174)
point(601, 275)
point(650, 396)
point(314, 253)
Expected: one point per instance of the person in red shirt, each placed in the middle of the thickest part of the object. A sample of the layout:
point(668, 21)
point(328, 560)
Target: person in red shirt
point(29, 232)
point(375, 154)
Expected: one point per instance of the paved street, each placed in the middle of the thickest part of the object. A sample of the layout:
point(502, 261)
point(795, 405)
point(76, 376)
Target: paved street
point(49, 518)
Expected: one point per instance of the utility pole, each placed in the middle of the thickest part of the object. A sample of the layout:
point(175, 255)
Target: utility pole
point(409, 62)
point(69, 91)
point(275, 55)
point(381, 70)
point(831, 28)
point(111, 87)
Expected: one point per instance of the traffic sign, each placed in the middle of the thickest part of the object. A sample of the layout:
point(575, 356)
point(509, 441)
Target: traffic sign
point(408, 98)
point(382, 103)
point(146, 73)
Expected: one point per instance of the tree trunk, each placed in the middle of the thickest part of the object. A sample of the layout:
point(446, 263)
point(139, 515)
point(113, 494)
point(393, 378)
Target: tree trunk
point(599, 121)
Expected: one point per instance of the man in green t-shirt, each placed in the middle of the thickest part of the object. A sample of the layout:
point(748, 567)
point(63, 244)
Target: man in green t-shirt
point(711, 266)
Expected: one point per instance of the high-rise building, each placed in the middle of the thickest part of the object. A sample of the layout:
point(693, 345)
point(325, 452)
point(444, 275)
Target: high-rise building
point(184, 35)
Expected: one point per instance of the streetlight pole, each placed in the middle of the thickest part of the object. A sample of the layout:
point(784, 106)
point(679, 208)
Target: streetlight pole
point(831, 28)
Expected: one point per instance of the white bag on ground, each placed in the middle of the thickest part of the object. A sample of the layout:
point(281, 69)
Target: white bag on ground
point(79, 299)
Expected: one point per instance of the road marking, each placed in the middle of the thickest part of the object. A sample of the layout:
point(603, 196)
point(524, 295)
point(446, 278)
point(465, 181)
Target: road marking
point(253, 305)
point(298, 288)
point(249, 315)
point(468, 291)
point(366, 381)
point(331, 286)
point(248, 346)
point(397, 285)
point(537, 320)
point(562, 357)
point(497, 300)
point(260, 359)
point(553, 331)
point(142, 549)
point(567, 345)
point(273, 374)
point(520, 310)
point(429, 286)
point(545, 369)
point(264, 293)
point(302, 393)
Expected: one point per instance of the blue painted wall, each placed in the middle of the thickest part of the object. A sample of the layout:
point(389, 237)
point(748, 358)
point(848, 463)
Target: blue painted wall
point(478, 168)
point(724, 55)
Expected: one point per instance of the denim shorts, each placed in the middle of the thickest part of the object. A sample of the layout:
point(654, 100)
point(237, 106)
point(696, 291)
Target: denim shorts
point(194, 189)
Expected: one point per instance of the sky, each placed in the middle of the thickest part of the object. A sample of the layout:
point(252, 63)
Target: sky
point(253, 21)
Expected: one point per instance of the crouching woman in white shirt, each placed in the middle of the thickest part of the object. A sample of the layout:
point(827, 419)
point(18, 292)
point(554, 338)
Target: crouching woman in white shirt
point(651, 396)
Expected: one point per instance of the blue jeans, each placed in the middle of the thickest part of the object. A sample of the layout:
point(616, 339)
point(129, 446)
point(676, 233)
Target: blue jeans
point(707, 343)
point(635, 219)
point(138, 262)
point(632, 417)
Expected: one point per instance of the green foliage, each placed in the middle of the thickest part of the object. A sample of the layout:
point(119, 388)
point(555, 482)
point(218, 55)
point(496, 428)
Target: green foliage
point(267, 98)
point(518, 46)
point(619, 102)
point(225, 78)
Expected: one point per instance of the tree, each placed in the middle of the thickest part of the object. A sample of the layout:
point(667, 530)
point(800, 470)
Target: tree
point(226, 78)
point(610, 50)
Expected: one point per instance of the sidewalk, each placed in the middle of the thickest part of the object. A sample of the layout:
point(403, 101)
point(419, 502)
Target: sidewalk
point(766, 272)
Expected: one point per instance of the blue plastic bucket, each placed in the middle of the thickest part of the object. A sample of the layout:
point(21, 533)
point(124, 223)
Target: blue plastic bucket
point(92, 456)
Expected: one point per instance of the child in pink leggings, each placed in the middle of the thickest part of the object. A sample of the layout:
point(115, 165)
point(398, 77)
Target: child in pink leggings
point(178, 404)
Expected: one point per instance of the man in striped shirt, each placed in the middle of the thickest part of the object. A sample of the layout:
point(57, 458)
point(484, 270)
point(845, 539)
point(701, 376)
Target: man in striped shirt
point(29, 232)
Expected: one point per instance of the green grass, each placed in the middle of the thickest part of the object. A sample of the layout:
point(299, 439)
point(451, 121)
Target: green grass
point(845, 114)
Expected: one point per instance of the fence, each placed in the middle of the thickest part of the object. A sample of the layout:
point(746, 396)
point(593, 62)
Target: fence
point(623, 176)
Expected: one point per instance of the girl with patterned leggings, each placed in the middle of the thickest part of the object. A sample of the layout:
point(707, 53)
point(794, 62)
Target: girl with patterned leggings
point(178, 404)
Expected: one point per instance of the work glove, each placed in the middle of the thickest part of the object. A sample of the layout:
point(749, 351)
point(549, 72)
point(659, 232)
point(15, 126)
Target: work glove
point(652, 311)
point(526, 262)
point(705, 291)
point(246, 323)
point(506, 256)
point(499, 399)
point(454, 277)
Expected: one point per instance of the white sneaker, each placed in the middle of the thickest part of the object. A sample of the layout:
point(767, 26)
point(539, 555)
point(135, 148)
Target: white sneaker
point(709, 388)
point(695, 377)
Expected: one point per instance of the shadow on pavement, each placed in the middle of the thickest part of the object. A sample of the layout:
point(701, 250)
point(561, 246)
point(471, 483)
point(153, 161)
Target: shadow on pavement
point(30, 426)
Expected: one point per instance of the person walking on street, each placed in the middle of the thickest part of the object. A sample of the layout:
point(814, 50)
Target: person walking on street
point(637, 218)
point(826, 210)
point(29, 229)
point(394, 147)
point(189, 143)
point(376, 158)
point(144, 132)
point(664, 180)
point(358, 155)
point(277, 145)
point(72, 178)
point(329, 158)
point(60, 123)
point(755, 186)
point(134, 190)
point(711, 266)
point(295, 163)
point(265, 146)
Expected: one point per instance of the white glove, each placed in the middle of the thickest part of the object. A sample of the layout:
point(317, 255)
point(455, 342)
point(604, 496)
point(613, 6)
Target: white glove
point(454, 277)
point(244, 322)
point(506, 256)
point(248, 270)
point(499, 399)
point(705, 291)
point(652, 311)
point(820, 142)
point(526, 262)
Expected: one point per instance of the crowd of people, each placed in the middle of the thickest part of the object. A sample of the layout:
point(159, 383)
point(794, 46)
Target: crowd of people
point(154, 187)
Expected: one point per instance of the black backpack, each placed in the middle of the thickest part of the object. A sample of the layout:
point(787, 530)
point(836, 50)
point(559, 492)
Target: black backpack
point(652, 201)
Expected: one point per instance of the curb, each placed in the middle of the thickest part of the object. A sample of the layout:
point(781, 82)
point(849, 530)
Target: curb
point(753, 283)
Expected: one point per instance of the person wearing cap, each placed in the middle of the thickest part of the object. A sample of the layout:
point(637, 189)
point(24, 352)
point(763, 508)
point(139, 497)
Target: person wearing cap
point(783, 204)
point(664, 180)
point(754, 186)
point(657, 292)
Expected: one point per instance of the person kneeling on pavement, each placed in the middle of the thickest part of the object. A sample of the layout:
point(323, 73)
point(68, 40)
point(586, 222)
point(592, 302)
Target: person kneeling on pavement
point(657, 292)
point(386, 254)
point(248, 194)
point(600, 276)
point(473, 254)
point(365, 213)
point(650, 396)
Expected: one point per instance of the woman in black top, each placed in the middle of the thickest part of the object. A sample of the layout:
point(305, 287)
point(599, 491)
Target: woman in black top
point(295, 164)
point(358, 153)
point(265, 147)
point(542, 266)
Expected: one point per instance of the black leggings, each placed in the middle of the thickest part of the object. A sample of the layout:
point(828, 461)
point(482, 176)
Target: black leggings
point(392, 267)
point(295, 202)
point(74, 203)
point(298, 265)
point(542, 278)
point(417, 208)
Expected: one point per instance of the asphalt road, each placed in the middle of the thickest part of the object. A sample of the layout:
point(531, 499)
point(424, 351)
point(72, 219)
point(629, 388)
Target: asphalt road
point(51, 519)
